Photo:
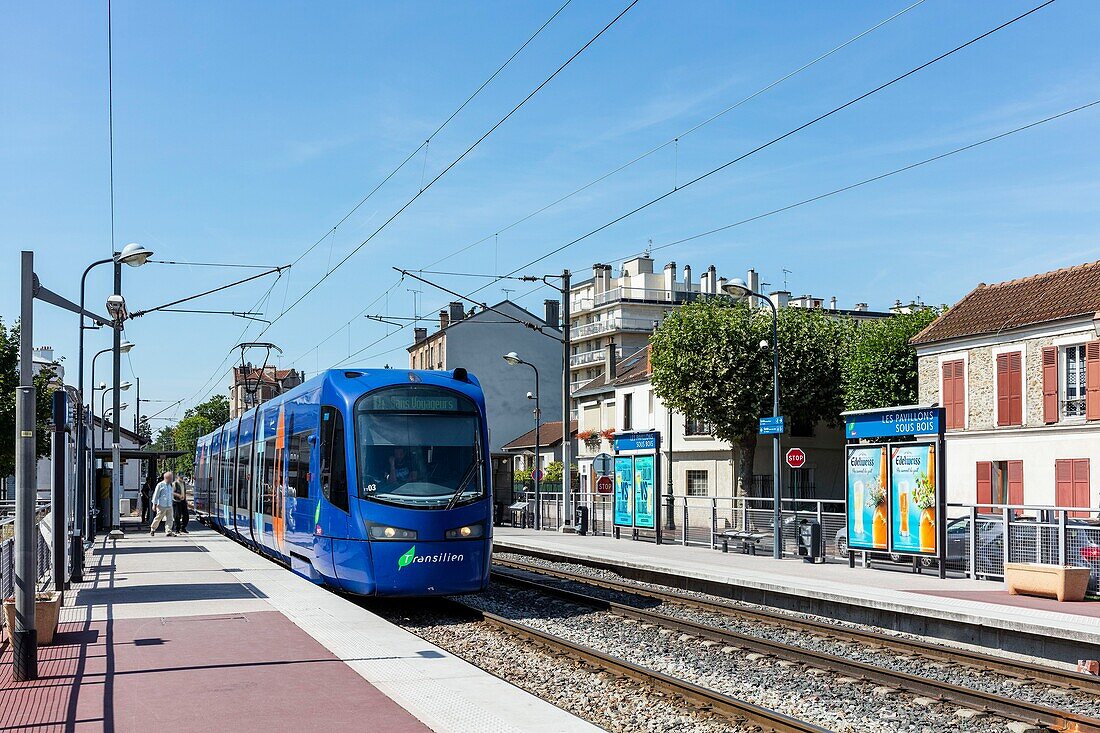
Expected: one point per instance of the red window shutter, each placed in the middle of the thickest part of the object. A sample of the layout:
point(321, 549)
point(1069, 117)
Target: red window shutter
point(1003, 417)
point(1092, 380)
point(960, 394)
point(1050, 384)
point(948, 391)
point(1063, 482)
point(1016, 483)
point(1080, 486)
point(1015, 389)
point(985, 483)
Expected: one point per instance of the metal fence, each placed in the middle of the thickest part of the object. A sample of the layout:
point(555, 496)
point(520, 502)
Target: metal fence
point(7, 557)
point(700, 521)
point(1005, 532)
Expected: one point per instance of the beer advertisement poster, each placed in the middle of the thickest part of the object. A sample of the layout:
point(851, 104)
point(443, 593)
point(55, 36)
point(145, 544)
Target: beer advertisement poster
point(644, 515)
point(866, 497)
point(624, 491)
point(913, 499)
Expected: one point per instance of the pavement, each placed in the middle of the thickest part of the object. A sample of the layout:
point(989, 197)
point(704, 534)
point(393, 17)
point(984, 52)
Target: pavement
point(882, 589)
point(198, 633)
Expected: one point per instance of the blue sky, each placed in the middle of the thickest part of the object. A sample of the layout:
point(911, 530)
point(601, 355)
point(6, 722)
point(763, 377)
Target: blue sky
point(244, 131)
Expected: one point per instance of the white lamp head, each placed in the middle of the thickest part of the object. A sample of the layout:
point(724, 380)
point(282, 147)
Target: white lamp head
point(512, 358)
point(134, 254)
point(125, 347)
point(125, 385)
point(737, 288)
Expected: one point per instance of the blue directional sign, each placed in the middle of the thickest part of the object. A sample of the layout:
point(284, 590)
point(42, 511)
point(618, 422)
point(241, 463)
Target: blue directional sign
point(893, 423)
point(772, 425)
point(636, 441)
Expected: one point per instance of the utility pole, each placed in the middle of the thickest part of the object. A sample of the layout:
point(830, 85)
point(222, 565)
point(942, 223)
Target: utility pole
point(566, 399)
point(24, 637)
point(116, 458)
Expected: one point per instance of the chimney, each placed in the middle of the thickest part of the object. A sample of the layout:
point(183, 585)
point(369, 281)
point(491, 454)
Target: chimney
point(687, 278)
point(551, 310)
point(45, 353)
point(419, 334)
point(670, 280)
point(444, 319)
point(832, 303)
point(609, 357)
point(455, 308)
point(752, 281)
point(860, 307)
point(780, 298)
point(721, 285)
point(712, 279)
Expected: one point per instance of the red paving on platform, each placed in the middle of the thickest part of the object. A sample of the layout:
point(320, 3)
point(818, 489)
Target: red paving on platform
point(1003, 597)
point(236, 672)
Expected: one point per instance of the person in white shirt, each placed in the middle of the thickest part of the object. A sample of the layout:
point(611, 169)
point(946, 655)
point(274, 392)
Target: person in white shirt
point(162, 505)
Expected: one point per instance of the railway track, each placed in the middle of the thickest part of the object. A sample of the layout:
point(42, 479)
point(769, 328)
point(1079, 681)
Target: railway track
point(701, 697)
point(528, 576)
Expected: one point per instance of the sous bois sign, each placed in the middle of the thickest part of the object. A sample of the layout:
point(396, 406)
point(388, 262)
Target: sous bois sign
point(894, 422)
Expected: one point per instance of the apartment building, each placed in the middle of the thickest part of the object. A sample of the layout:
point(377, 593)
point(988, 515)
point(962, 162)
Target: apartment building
point(1016, 365)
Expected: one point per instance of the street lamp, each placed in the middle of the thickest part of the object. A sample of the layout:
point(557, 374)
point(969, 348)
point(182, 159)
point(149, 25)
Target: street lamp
point(738, 289)
point(134, 255)
point(513, 359)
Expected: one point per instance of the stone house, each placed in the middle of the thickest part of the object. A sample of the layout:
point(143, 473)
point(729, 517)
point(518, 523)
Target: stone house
point(1016, 365)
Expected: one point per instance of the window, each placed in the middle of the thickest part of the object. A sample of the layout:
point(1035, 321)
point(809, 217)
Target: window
point(953, 393)
point(628, 411)
point(334, 474)
point(1000, 482)
point(1010, 403)
point(698, 426)
point(1071, 484)
point(1073, 381)
point(298, 465)
point(268, 480)
point(697, 483)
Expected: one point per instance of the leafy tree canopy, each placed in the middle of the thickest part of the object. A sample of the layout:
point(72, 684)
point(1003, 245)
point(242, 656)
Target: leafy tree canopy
point(881, 367)
point(9, 383)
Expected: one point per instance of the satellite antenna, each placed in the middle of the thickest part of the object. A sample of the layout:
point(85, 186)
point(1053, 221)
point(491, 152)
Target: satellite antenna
point(507, 292)
point(252, 386)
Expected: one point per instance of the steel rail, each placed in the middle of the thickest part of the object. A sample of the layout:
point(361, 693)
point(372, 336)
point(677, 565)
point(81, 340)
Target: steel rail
point(1015, 709)
point(954, 655)
point(701, 697)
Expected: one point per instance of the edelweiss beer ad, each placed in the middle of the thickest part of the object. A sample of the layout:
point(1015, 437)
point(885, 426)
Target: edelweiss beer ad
point(913, 499)
point(866, 497)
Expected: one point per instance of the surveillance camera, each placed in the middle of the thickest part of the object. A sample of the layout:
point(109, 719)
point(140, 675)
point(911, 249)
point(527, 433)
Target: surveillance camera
point(764, 343)
point(530, 396)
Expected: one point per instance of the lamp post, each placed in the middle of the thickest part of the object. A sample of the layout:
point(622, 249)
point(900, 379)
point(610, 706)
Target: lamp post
point(738, 289)
point(513, 358)
point(135, 255)
point(124, 348)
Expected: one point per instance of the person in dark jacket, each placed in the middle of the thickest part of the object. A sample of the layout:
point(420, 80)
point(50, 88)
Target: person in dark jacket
point(147, 501)
point(179, 507)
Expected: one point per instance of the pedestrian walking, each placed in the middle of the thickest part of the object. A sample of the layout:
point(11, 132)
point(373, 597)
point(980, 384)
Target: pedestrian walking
point(179, 507)
point(162, 505)
point(147, 500)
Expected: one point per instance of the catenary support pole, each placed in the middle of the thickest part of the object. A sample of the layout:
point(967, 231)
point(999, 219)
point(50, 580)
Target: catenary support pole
point(60, 509)
point(116, 461)
point(25, 636)
point(777, 486)
point(566, 438)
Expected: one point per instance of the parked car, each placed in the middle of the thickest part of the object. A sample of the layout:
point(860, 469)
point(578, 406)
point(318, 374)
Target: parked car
point(841, 543)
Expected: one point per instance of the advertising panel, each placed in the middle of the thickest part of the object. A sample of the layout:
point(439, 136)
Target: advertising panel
point(866, 497)
point(644, 492)
point(624, 491)
point(913, 499)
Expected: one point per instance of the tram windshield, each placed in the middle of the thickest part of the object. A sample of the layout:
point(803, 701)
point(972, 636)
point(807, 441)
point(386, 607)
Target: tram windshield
point(418, 446)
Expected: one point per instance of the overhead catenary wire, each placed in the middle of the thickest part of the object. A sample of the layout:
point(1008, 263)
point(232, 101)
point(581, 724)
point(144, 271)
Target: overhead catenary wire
point(453, 163)
point(675, 140)
point(763, 146)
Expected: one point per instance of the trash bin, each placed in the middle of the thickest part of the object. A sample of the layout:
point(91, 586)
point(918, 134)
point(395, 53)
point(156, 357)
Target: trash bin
point(580, 519)
point(811, 545)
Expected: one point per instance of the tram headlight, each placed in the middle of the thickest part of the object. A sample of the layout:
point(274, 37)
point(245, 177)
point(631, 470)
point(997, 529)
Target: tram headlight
point(386, 532)
point(466, 532)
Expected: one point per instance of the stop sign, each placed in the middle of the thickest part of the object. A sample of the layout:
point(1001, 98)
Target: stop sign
point(604, 485)
point(796, 457)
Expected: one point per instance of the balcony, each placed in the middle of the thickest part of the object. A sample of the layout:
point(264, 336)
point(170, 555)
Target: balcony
point(637, 295)
point(592, 357)
point(606, 325)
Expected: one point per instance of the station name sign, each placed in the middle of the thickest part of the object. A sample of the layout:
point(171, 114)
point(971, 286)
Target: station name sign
point(636, 441)
point(894, 423)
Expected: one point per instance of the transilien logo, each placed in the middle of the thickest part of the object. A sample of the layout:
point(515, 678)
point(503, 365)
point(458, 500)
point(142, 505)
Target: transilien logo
point(407, 558)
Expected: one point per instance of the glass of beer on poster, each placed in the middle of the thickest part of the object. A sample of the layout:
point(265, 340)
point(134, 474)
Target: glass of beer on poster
point(913, 498)
point(866, 494)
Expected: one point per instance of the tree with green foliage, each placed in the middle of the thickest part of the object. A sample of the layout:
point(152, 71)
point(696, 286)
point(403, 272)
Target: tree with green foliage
point(9, 383)
point(144, 429)
point(709, 364)
point(880, 369)
point(197, 421)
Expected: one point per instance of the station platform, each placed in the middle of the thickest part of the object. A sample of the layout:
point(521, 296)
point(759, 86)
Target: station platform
point(197, 633)
point(974, 612)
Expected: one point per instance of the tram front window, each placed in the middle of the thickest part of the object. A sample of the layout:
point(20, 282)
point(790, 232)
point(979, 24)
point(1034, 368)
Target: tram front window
point(420, 459)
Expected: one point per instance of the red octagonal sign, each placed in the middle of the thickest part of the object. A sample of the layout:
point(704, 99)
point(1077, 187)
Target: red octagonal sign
point(796, 457)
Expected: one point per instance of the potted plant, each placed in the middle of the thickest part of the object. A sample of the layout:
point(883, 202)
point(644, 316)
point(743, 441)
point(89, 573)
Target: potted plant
point(608, 435)
point(591, 438)
point(47, 609)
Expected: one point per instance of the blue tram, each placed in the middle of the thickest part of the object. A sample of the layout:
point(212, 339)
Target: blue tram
point(375, 482)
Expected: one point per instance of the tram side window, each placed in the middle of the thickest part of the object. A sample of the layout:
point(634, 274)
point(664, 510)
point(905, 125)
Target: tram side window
point(334, 474)
point(244, 452)
point(268, 480)
point(298, 464)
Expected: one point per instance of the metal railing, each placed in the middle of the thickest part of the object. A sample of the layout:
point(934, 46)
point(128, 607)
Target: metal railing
point(7, 557)
point(612, 323)
point(590, 357)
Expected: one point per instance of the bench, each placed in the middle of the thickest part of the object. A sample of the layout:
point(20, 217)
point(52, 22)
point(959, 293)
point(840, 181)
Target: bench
point(748, 539)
